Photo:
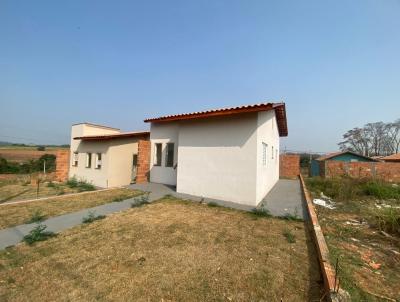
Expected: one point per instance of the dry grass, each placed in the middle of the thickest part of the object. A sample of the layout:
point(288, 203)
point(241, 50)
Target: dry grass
point(166, 251)
point(11, 215)
point(23, 154)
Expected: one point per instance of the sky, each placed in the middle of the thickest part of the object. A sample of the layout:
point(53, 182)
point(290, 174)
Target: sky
point(336, 64)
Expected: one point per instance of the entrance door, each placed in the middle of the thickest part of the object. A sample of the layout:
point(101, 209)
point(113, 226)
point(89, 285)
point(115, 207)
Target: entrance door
point(134, 168)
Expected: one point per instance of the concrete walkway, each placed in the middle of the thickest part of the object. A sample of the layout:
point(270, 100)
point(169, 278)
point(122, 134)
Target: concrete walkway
point(286, 197)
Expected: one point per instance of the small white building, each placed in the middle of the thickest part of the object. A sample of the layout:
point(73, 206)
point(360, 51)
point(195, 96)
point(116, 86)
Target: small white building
point(230, 154)
point(104, 156)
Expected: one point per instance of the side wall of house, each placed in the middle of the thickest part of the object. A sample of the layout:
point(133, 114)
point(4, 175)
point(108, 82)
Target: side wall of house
point(217, 158)
point(120, 159)
point(163, 133)
point(268, 171)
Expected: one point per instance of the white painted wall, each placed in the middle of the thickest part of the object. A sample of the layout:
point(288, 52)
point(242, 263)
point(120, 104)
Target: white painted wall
point(267, 132)
point(117, 155)
point(218, 157)
point(163, 133)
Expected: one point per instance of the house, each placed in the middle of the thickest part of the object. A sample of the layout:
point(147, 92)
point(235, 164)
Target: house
point(318, 165)
point(394, 158)
point(105, 156)
point(230, 154)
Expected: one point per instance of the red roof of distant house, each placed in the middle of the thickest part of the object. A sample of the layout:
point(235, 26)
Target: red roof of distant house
point(113, 136)
point(279, 108)
point(393, 157)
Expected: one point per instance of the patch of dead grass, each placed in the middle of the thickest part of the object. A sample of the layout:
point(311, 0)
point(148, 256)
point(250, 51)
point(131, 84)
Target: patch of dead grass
point(169, 250)
point(11, 215)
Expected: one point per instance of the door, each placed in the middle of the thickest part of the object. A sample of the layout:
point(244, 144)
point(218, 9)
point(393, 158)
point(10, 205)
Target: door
point(134, 168)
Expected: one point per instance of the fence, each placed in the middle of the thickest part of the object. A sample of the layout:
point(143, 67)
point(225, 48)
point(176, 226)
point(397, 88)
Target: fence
point(377, 170)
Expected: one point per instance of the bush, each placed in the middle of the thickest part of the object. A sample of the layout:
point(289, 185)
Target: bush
point(51, 184)
point(92, 217)
point(213, 204)
point(41, 148)
point(37, 216)
point(72, 182)
point(39, 233)
point(289, 236)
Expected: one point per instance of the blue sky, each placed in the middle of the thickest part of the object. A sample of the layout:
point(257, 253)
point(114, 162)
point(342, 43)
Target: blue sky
point(336, 64)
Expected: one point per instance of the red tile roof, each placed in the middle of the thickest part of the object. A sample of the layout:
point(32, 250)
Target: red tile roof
point(113, 136)
point(279, 108)
point(334, 154)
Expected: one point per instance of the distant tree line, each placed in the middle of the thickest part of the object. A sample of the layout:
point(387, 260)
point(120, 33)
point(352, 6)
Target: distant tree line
point(33, 165)
point(374, 139)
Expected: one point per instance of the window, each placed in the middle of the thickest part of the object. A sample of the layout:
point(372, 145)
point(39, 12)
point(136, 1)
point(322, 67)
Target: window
point(169, 156)
point(272, 153)
point(88, 160)
point(157, 154)
point(75, 159)
point(98, 161)
point(264, 154)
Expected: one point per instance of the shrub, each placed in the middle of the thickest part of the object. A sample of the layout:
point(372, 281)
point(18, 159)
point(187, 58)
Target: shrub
point(213, 204)
point(39, 233)
point(261, 211)
point(85, 186)
point(72, 182)
point(289, 236)
point(37, 216)
point(92, 217)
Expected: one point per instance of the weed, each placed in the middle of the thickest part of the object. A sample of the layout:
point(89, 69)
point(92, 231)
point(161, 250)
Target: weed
point(37, 216)
point(261, 212)
point(92, 217)
point(51, 184)
point(381, 190)
point(141, 200)
point(39, 233)
point(387, 220)
point(72, 182)
point(85, 186)
point(292, 217)
point(289, 236)
point(61, 192)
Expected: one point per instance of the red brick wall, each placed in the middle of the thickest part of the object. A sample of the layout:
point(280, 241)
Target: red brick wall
point(289, 165)
point(62, 165)
point(382, 170)
point(143, 161)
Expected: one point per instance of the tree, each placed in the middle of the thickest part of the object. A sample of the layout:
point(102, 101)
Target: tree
point(373, 139)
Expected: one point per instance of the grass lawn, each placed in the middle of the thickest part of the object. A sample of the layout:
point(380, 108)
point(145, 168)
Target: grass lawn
point(11, 215)
point(19, 188)
point(170, 250)
point(369, 259)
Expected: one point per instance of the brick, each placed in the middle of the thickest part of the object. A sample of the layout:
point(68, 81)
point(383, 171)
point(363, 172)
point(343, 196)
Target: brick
point(289, 165)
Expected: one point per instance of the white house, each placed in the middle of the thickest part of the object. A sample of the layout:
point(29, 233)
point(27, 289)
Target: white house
point(230, 154)
point(104, 156)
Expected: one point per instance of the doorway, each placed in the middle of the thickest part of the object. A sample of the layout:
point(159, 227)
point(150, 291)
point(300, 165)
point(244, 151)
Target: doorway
point(134, 168)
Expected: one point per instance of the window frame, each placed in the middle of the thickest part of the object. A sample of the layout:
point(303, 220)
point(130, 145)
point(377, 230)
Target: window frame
point(169, 164)
point(88, 160)
point(157, 159)
point(98, 161)
point(264, 154)
point(75, 159)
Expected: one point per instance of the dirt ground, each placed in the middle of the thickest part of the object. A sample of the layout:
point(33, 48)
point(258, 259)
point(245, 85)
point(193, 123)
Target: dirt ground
point(169, 250)
point(369, 260)
point(24, 154)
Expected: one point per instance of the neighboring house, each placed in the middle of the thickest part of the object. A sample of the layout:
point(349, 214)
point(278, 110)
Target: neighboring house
point(104, 156)
point(230, 154)
point(317, 165)
point(394, 158)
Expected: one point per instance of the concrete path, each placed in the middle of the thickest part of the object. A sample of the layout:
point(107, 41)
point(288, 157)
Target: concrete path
point(286, 197)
